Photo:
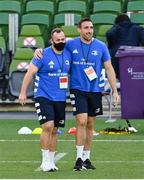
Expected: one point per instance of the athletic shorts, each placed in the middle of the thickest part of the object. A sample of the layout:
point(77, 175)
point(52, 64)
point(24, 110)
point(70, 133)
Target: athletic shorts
point(86, 102)
point(50, 110)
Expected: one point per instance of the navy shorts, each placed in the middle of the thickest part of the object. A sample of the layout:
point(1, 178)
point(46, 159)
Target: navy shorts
point(86, 102)
point(50, 110)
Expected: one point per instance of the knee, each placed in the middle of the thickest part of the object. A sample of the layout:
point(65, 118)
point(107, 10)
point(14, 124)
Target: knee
point(81, 123)
point(54, 132)
point(47, 127)
point(90, 126)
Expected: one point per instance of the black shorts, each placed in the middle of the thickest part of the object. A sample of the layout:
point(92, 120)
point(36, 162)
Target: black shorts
point(50, 110)
point(86, 102)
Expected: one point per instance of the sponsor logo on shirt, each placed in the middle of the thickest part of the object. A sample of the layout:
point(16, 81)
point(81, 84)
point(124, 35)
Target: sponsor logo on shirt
point(75, 51)
point(51, 64)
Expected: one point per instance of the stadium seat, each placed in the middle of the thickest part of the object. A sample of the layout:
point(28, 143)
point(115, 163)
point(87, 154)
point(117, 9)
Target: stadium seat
point(10, 6)
point(42, 7)
point(102, 32)
point(21, 59)
point(32, 42)
point(60, 19)
point(103, 18)
point(18, 68)
point(15, 83)
point(41, 20)
point(31, 30)
point(4, 70)
point(137, 18)
point(2, 44)
point(107, 6)
point(31, 36)
point(37, 19)
point(135, 6)
point(4, 20)
point(70, 31)
point(78, 7)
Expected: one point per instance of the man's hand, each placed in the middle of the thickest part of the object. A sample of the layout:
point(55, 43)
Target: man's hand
point(22, 99)
point(38, 53)
point(116, 98)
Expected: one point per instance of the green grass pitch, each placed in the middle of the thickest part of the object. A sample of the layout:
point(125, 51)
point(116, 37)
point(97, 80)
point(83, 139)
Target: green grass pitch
point(115, 156)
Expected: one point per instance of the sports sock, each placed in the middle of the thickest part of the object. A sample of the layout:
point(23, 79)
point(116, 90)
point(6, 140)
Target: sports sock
point(45, 155)
point(51, 156)
point(86, 154)
point(79, 151)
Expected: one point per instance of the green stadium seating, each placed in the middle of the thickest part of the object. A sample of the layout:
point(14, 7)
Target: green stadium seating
point(31, 30)
point(32, 42)
point(2, 44)
point(59, 19)
point(70, 31)
point(135, 6)
point(37, 19)
point(107, 6)
point(99, 19)
point(103, 18)
point(4, 20)
point(137, 18)
point(21, 55)
point(43, 7)
point(101, 33)
point(78, 7)
point(10, 6)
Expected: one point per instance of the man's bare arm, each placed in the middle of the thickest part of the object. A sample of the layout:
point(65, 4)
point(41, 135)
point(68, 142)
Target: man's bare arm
point(26, 82)
point(112, 80)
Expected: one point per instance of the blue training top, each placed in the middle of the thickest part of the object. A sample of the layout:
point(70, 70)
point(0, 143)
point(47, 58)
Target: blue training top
point(83, 56)
point(51, 67)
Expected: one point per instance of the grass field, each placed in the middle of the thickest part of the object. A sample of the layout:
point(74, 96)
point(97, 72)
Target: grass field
point(115, 156)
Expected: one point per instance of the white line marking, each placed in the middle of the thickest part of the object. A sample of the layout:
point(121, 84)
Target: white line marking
point(59, 156)
point(63, 162)
point(72, 140)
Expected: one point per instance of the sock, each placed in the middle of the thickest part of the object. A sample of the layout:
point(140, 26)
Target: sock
point(79, 151)
point(86, 154)
point(45, 155)
point(51, 156)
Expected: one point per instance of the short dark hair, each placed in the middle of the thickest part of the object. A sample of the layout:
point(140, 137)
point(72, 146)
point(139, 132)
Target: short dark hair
point(57, 30)
point(122, 17)
point(83, 20)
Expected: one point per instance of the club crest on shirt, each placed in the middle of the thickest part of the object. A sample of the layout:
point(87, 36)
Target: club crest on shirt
point(94, 52)
point(67, 62)
point(51, 64)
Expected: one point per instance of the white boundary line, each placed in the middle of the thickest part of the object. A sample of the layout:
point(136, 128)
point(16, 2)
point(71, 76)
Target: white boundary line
point(72, 140)
point(63, 162)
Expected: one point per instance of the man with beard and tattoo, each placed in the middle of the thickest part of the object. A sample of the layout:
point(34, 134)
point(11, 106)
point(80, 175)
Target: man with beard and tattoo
point(89, 55)
point(51, 82)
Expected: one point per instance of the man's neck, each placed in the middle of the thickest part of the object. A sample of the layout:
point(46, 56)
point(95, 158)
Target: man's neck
point(86, 41)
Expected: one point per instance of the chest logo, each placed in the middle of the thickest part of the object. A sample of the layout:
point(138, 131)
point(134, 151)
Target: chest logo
point(51, 64)
point(94, 53)
point(75, 51)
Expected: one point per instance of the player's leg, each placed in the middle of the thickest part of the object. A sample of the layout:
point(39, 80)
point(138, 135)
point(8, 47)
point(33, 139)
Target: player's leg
point(59, 121)
point(44, 109)
point(79, 102)
point(94, 109)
